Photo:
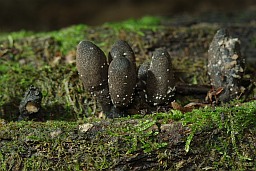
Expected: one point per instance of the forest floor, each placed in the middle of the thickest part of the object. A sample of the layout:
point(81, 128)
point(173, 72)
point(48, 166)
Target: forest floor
point(68, 134)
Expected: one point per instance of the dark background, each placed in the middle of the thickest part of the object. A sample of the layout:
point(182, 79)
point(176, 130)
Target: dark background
point(42, 15)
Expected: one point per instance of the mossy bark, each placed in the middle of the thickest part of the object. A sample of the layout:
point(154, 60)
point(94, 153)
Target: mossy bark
point(155, 142)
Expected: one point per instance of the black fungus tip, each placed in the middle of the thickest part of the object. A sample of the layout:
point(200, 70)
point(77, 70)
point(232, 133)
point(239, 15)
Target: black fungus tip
point(122, 49)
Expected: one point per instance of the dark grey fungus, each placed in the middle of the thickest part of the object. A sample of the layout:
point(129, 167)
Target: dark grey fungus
point(31, 103)
point(122, 48)
point(122, 81)
point(225, 65)
point(92, 67)
point(143, 71)
point(160, 79)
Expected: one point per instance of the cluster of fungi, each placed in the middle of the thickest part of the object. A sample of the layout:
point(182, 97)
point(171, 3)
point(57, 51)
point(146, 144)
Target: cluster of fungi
point(119, 85)
point(115, 80)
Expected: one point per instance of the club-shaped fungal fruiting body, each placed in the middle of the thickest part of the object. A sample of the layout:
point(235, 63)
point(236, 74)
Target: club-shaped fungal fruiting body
point(160, 80)
point(225, 64)
point(93, 70)
point(122, 81)
point(122, 48)
point(122, 74)
point(91, 65)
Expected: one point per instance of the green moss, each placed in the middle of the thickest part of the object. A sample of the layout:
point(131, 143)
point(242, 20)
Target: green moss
point(235, 120)
point(67, 38)
point(236, 116)
point(41, 135)
point(70, 37)
point(63, 92)
point(31, 59)
point(58, 144)
point(15, 35)
point(137, 26)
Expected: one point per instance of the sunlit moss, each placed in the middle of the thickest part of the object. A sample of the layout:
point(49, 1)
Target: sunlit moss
point(125, 137)
point(69, 37)
point(147, 22)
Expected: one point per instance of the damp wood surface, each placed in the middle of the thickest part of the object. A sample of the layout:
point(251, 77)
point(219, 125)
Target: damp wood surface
point(69, 135)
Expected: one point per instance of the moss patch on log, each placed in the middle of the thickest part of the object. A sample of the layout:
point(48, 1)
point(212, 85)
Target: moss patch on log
point(220, 138)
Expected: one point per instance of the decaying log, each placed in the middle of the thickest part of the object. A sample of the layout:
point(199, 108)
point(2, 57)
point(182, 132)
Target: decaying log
point(115, 144)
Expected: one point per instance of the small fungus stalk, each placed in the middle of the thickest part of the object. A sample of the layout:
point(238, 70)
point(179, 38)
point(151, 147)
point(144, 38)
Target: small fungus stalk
point(31, 103)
